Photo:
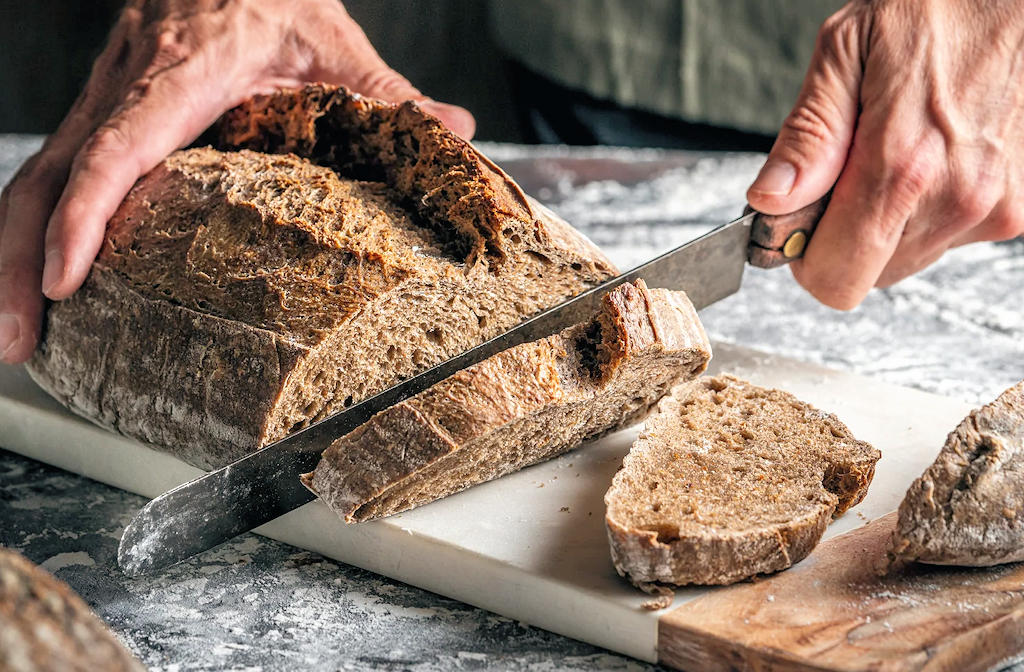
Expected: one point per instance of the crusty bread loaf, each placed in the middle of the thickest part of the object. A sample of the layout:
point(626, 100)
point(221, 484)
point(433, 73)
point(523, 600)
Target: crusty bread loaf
point(45, 626)
point(239, 295)
point(521, 406)
point(968, 506)
point(729, 480)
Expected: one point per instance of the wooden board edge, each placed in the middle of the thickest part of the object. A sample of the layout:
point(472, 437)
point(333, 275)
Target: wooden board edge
point(687, 642)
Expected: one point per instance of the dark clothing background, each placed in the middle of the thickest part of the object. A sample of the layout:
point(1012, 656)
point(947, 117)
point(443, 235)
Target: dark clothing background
point(47, 48)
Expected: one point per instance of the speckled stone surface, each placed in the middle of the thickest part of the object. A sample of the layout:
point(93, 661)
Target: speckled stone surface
point(957, 329)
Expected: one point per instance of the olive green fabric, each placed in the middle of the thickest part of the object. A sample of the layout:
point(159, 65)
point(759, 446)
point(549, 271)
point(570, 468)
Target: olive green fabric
point(734, 63)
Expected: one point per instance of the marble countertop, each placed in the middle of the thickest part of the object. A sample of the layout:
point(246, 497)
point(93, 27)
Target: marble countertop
point(956, 329)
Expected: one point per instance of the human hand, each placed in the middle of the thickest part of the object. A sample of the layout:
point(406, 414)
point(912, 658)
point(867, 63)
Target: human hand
point(169, 70)
point(914, 109)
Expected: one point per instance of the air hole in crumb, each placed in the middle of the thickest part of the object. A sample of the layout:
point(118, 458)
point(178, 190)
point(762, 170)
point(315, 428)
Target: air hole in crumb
point(392, 352)
point(318, 379)
point(653, 486)
point(516, 239)
point(348, 401)
point(656, 507)
point(717, 385)
point(435, 336)
point(481, 320)
point(666, 533)
point(310, 409)
point(577, 266)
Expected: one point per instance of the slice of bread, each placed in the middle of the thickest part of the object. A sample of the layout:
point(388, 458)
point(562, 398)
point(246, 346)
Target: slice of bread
point(968, 506)
point(239, 295)
point(45, 626)
point(730, 480)
point(521, 406)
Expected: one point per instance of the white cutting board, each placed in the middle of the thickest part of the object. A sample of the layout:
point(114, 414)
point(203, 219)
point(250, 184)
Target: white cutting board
point(530, 546)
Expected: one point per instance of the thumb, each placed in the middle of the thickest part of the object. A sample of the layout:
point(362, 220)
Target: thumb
point(811, 148)
point(350, 60)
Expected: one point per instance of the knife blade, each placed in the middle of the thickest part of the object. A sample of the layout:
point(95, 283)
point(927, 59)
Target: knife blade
point(256, 489)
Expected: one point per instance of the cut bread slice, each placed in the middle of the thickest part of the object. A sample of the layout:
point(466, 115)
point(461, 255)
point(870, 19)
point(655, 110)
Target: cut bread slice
point(521, 406)
point(968, 506)
point(730, 480)
point(239, 295)
point(44, 625)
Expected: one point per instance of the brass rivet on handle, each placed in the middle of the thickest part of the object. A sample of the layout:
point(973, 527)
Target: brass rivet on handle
point(795, 245)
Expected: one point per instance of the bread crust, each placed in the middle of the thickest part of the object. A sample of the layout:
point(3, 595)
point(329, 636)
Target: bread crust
point(967, 508)
point(45, 626)
point(240, 295)
point(656, 548)
point(521, 406)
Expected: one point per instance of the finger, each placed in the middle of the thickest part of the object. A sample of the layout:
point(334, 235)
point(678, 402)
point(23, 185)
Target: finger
point(352, 61)
point(167, 115)
point(25, 206)
point(28, 201)
point(877, 193)
point(21, 243)
point(938, 224)
point(812, 146)
point(1006, 221)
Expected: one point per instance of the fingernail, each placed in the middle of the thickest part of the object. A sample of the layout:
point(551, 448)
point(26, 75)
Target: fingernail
point(776, 178)
point(10, 333)
point(53, 270)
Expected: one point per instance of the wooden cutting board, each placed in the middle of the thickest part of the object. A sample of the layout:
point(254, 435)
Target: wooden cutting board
point(532, 545)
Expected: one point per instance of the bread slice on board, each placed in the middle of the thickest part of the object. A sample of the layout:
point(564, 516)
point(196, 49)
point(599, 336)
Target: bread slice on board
point(45, 626)
point(240, 295)
point(968, 506)
point(730, 480)
point(521, 406)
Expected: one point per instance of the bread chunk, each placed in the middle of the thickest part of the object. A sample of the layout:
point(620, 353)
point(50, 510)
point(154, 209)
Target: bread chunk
point(45, 626)
point(241, 295)
point(730, 480)
point(519, 407)
point(967, 508)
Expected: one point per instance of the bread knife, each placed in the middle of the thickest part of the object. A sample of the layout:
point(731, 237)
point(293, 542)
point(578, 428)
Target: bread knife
point(256, 489)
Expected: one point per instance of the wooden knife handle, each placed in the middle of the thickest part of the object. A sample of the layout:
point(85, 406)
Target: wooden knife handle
point(776, 240)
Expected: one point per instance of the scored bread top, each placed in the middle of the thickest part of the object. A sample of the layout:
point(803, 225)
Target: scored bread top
point(282, 244)
point(729, 480)
point(240, 296)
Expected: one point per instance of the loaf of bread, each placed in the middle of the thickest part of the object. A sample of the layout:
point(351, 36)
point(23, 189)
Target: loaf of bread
point(45, 626)
point(241, 295)
point(730, 480)
point(521, 406)
point(967, 508)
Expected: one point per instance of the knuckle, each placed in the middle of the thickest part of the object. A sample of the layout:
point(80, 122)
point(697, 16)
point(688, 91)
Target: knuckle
point(909, 176)
point(1006, 227)
point(170, 48)
point(839, 36)
point(971, 206)
point(810, 121)
point(110, 139)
